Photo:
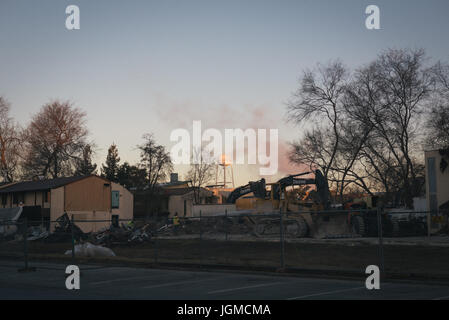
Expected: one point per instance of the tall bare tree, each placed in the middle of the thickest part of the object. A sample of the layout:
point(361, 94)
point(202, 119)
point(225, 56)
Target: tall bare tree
point(201, 171)
point(10, 144)
point(345, 172)
point(319, 102)
point(55, 138)
point(370, 122)
point(387, 98)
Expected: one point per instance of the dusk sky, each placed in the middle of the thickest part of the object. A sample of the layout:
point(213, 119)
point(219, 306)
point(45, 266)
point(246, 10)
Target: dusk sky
point(154, 66)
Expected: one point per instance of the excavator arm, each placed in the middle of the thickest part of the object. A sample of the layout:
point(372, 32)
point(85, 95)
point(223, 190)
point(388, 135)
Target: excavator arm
point(294, 180)
point(256, 187)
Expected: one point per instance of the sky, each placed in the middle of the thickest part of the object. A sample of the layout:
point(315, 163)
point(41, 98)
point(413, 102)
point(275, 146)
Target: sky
point(141, 67)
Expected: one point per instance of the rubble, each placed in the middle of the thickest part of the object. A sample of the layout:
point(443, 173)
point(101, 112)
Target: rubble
point(63, 231)
point(37, 233)
point(124, 234)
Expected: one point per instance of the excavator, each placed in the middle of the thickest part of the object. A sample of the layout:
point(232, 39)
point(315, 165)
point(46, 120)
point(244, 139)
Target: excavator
point(303, 217)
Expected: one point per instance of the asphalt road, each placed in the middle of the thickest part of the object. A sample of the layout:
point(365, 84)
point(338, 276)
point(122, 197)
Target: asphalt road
point(48, 282)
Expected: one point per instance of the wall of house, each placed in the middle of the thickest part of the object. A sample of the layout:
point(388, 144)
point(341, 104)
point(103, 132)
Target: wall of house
point(126, 202)
point(103, 220)
point(442, 180)
point(89, 194)
point(437, 186)
point(56, 205)
point(75, 200)
point(29, 198)
point(176, 205)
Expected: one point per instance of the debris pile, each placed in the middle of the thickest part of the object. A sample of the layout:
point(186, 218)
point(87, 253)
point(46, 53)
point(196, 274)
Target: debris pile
point(63, 231)
point(36, 233)
point(209, 225)
point(125, 234)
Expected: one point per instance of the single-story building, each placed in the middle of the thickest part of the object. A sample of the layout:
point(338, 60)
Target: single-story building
point(85, 197)
point(437, 186)
point(170, 198)
point(182, 200)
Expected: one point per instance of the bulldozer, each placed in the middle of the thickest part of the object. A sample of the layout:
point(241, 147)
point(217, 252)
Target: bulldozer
point(310, 216)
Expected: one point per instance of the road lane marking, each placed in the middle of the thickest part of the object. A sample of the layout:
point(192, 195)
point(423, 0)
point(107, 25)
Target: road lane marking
point(247, 287)
point(325, 293)
point(123, 279)
point(180, 282)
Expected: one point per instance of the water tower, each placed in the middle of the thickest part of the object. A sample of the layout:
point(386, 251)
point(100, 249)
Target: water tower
point(225, 174)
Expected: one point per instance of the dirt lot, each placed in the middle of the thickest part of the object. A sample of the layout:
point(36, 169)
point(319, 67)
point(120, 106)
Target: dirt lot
point(400, 260)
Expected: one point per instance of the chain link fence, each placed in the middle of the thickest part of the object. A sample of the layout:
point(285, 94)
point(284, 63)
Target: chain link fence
point(328, 242)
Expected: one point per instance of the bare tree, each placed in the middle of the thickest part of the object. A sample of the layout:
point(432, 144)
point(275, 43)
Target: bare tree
point(156, 160)
point(320, 102)
point(320, 98)
point(314, 149)
point(367, 125)
point(387, 98)
point(344, 172)
point(201, 171)
point(55, 138)
point(10, 144)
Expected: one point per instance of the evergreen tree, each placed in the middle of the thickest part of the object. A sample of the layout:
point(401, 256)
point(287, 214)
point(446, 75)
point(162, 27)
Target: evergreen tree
point(84, 166)
point(132, 177)
point(110, 169)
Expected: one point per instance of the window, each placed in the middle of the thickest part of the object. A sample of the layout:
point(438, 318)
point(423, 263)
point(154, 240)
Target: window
point(115, 199)
point(4, 199)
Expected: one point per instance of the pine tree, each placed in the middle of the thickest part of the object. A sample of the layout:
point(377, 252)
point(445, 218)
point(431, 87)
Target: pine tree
point(84, 166)
point(110, 169)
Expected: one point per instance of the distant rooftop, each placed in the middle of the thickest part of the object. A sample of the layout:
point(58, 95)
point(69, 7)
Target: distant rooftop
point(171, 184)
point(183, 191)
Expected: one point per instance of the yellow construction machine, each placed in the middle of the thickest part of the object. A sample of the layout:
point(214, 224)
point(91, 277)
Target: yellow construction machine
point(309, 216)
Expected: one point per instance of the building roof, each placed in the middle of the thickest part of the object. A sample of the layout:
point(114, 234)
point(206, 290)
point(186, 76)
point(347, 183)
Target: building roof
point(173, 184)
point(183, 191)
point(39, 185)
point(176, 191)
